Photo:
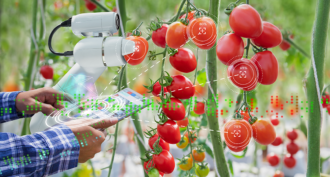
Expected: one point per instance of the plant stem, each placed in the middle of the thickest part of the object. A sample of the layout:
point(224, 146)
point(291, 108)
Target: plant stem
point(220, 160)
point(29, 73)
point(100, 5)
point(298, 48)
point(319, 37)
point(93, 170)
point(180, 8)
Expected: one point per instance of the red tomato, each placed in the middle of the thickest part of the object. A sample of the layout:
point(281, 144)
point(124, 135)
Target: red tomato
point(181, 87)
point(89, 5)
point(157, 88)
point(237, 134)
point(263, 132)
point(158, 36)
point(198, 156)
point(162, 143)
point(277, 141)
point(174, 109)
point(183, 123)
point(176, 36)
point(278, 174)
point(292, 148)
point(245, 21)
point(274, 121)
point(192, 137)
point(273, 159)
point(243, 74)
point(164, 162)
point(328, 108)
point(230, 47)
point(199, 108)
point(325, 100)
point(147, 165)
point(141, 50)
point(203, 32)
point(285, 45)
point(270, 37)
point(292, 134)
point(289, 161)
point(190, 16)
point(169, 132)
point(184, 60)
point(267, 66)
point(47, 72)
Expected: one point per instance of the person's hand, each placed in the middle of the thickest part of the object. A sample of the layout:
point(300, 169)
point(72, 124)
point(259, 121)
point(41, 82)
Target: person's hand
point(89, 138)
point(46, 100)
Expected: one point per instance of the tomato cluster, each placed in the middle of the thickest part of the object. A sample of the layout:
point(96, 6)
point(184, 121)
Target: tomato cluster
point(245, 22)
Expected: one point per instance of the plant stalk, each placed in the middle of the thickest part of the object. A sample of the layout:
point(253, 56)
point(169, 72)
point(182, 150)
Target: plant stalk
point(220, 160)
point(319, 37)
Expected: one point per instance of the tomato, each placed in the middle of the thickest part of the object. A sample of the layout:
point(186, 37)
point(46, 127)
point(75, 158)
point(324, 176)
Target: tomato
point(192, 137)
point(184, 60)
point(169, 132)
point(141, 50)
point(183, 143)
point(292, 148)
point(278, 140)
point(203, 32)
point(138, 87)
point(148, 165)
point(162, 143)
point(198, 156)
point(274, 121)
point(199, 108)
point(158, 36)
point(270, 37)
point(325, 100)
point(47, 72)
point(245, 21)
point(289, 161)
point(276, 104)
point(174, 109)
point(153, 173)
point(181, 87)
point(243, 74)
point(190, 16)
point(285, 45)
point(10, 86)
point(186, 164)
point(156, 89)
point(183, 123)
point(90, 5)
point(278, 174)
point(202, 171)
point(237, 134)
point(176, 36)
point(246, 115)
point(230, 47)
point(292, 134)
point(328, 108)
point(263, 132)
point(267, 66)
point(164, 162)
point(273, 159)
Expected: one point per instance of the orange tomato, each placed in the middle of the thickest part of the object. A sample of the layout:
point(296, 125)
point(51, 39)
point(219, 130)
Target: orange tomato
point(10, 87)
point(199, 156)
point(263, 132)
point(176, 36)
point(193, 138)
point(186, 164)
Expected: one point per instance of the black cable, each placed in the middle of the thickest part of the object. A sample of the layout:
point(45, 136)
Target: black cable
point(66, 23)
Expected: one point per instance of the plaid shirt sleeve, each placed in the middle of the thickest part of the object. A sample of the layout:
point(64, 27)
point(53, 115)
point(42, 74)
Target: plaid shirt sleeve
point(8, 107)
point(40, 154)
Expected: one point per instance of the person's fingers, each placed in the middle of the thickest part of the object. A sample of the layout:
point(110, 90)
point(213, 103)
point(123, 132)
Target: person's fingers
point(104, 123)
point(58, 105)
point(47, 108)
point(62, 96)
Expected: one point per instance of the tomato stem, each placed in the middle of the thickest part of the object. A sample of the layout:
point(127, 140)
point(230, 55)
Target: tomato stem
point(314, 83)
point(298, 48)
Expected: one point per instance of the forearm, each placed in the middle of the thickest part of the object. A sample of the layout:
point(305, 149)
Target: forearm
point(41, 154)
point(8, 110)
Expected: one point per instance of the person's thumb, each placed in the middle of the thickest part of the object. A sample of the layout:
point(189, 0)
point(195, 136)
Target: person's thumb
point(104, 123)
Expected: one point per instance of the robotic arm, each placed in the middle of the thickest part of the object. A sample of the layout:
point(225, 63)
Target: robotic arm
point(92, 54)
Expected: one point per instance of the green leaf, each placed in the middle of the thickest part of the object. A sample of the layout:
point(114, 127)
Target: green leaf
point(230, 164)
point(203, 121)
point(208, 150)
point(240, 156)
point(201, 77)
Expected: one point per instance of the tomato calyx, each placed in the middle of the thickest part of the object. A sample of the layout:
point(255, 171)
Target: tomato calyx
point(184, 21)
point(231, 7)
point(147, 156)
point(150, 88)
point(172, 52)
point(181, 141)
point(150, 133)
point(203, 165)
point(157, 148)
point(136, 31)
point(198, 14)
point(168, 80)
point(257, 49)
point(162, 118)
point(200, 149)
point(184, 160)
